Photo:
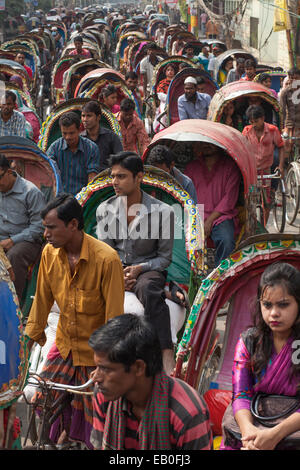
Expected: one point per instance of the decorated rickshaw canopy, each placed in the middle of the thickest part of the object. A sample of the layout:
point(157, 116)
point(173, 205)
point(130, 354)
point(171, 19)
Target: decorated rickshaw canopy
point(225, 137)
point(239, 89)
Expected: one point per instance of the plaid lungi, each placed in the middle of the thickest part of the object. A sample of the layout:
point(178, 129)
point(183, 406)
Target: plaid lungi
point(78, 415)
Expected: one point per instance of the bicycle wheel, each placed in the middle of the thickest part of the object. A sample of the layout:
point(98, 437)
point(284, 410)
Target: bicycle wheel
point(279, 207)
point(292, 195)
point(261, 211)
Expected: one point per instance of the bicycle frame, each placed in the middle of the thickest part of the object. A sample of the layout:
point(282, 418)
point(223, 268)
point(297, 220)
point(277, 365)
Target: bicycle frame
point(49, 410)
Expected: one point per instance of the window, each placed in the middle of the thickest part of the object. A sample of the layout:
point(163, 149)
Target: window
point(254, 32)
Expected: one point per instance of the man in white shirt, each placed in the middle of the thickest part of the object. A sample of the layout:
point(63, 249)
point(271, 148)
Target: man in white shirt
point(147, 67)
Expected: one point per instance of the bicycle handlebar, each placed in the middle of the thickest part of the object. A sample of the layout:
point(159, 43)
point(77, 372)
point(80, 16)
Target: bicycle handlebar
point(286, 137)
point(274, 175)
point(40, 382)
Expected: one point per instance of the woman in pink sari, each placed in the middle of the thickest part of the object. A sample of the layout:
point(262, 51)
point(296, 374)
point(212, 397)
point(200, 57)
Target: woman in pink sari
point(265, 357)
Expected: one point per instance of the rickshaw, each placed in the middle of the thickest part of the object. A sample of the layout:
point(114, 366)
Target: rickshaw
point(176, 89)
point(159, 69)
point(76, 72)
point(51, 131)
point(185, 36)
point(91, 84)
point(235, 54)
point(123, 43)
point(195, 44)
point(170, 30)
point(227, 296)
point(211, 42)
point(180, 138)
point(158, 99)
point(141, 52)
point(57, 89)
point(92, 46)
point(277, 77)
point(30, 60)
point(129, 27)
point(14, 361)
point(9, 68)
point(153, 25)
point(239, 93)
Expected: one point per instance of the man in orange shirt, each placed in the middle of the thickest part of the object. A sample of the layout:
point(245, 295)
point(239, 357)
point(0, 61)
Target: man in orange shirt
point(134, 134)
point(85, 278)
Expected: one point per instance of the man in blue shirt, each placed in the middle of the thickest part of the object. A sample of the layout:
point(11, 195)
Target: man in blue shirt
point(77, 157)
point(193, 105)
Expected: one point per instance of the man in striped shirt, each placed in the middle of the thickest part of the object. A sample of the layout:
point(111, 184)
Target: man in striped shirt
point(77, 157)
point(12, 122)
point(136, 406)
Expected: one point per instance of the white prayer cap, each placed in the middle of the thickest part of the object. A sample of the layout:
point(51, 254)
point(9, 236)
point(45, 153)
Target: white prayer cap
point(190, 80)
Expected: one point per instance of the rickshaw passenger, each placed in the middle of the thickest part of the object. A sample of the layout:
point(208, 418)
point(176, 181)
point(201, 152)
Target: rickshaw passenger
point(109, 97)
point(21, 227)
point(236, 73)
point(250, 70)
point(264, 362)
point(12, 122)
point(162, 412)
point(162, 157)
point(134, 135)
point(170, 72)
point(217, 180)
point(20, 58)
point(126, 222)
point(266, 80)
point(107, 141)
point(231, 117)
point(223, 72)
point(192, 104)
point(82, 275)
point(77, 157)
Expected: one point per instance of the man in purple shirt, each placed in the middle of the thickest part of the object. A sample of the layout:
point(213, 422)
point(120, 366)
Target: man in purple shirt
point(217, 180)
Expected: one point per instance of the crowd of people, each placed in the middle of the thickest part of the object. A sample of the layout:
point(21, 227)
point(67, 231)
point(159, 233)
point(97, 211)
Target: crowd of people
point(137, 403)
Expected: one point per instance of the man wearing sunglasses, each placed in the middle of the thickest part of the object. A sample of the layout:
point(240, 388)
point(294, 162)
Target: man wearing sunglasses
point(21, 228)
